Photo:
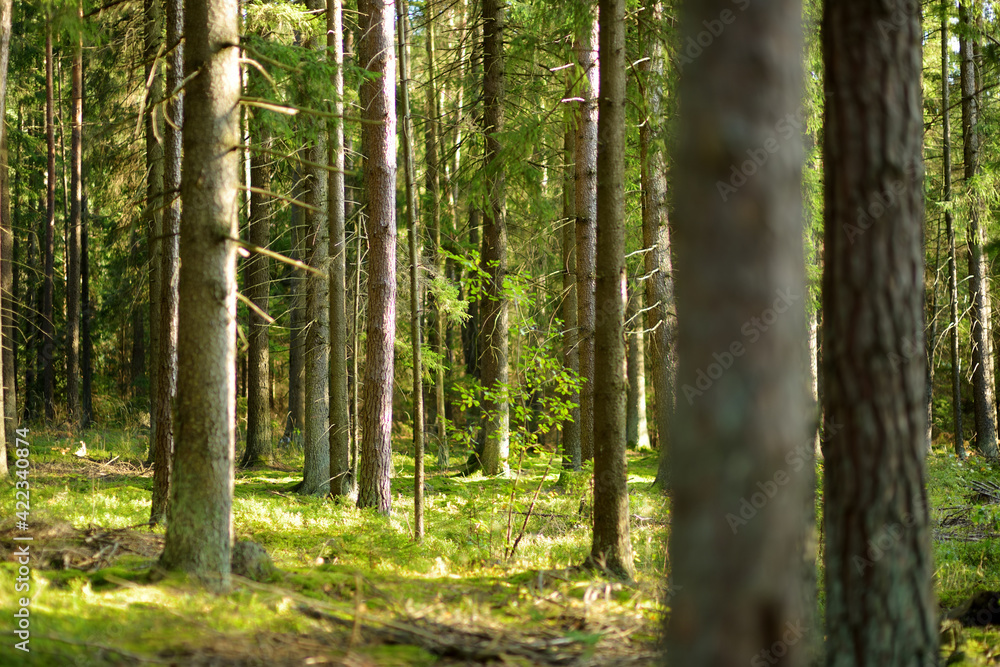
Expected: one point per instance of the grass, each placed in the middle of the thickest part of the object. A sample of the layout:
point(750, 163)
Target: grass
point(332, 555)
point(336, 558)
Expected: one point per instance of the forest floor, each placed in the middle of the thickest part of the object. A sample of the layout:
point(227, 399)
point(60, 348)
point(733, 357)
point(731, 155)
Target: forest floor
point(351, 588)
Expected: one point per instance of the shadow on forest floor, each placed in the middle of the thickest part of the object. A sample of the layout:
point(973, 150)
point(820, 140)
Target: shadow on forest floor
point(352, 587)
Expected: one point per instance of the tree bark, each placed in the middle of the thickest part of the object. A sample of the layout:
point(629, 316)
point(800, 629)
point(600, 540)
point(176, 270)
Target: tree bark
point(412, 232)
point(741, 407)
point(586, 227)
point(953, 319)
point(295, 420)
point(6, 395)
point(433, 187)
point(572, 459)
point(47, 350)
point(880, 608)
point(612, 547)
point(493, 305)
point(636, 429)
point(154, 230)
point(983, 382)
point(340, 425)
point(76, 212)
point(199, 534)
point(378, 144)
point(166, 361)
point(316, 468)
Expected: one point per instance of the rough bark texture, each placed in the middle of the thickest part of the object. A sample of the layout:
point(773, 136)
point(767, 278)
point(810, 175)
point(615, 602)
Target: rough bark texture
point(258, 291)
point(47, 348)
point(153, 28)
point(739, 497)
point(983, 381)
point(199, 534)
point(296, 418)
point(880, 608)
point(586, 228)
point(378, 144)
point(612, 547)
point(432, 181)
point(166, 361)
point(412, 233)
point(316, 468)
point(953, 319)
point(660, 319)
point(6, 254)
point(636, 428)
point(340, 425)
point(493, 305)
point(571, 351)
point(75, 215)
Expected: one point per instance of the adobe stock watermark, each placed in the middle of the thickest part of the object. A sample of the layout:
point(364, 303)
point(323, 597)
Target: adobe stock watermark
point(794, 632)
point(787, 127)
point(795, 460)
point(903, 11)
point(714, 28)
point(881, 202)
point(752, 330)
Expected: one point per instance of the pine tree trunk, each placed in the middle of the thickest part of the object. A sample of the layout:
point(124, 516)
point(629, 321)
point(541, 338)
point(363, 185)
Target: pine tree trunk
point(86, 340)
point(258, 291)
point(612, 547)
point(983, 382)
point(154, 229)
point(166, 362)
point(433, 186)
point(340, 425)
point(953, 319)
point(47, 350)
point(378, 144)
point(636, 429)
point(493, 305)
point(6, 395)
point(199, 534)
point(741, 406)
point(316, 467)
point(411, 228)
point(586, 227)
point(660, 319)
point(571, 351)
point(295, 420)
point(880, 607)
point(76, 212)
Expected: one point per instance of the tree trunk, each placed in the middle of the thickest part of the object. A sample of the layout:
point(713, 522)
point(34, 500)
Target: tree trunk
point(494, 306)
point(340, 425)
point(6, 394)
point(86, 340)
point(76, 212)
point(154, 230)
point(953, 319)
point(378, 145)
point(166, 362)
point(433, 187)
point(983, 382)
point(571, 350)
point(411, 228)
point(297, 334)
point(612, 547)
point(660, 319)
point(471, 326)
point(199, 534)
point(47, 351)
point(739, 498)
point(880, 608)
point(586, 227)
point(636, 429)
point(316, 468)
